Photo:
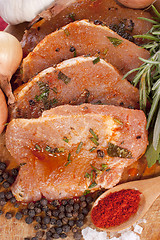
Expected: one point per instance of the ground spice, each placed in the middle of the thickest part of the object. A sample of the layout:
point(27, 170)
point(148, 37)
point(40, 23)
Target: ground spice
point(115, 208)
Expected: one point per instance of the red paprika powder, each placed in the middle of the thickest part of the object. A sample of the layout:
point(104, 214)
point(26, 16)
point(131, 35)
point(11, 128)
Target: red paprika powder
point(115, 208)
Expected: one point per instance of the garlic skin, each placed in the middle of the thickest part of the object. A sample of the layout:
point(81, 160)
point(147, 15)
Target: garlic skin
point(18, 11)
point(136, 3)
point(3, 111)
point(10, 58)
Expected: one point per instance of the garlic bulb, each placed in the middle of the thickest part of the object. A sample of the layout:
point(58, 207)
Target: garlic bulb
point(18, 11)
point(136, 3)
point(10, 58)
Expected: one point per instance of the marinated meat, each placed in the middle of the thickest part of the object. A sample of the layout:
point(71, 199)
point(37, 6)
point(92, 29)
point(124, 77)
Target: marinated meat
point(74, 81)
point(106, 11)
point(72, 149)
point(86, 38)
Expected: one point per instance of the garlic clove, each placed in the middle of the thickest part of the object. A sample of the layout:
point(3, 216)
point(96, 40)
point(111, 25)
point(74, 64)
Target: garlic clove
point(136, 3)
point(10, 59)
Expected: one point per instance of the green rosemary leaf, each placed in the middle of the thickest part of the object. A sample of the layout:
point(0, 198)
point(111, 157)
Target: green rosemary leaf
point(148, 20)
point(92, 185)
point(86, 192)
point(94, 141)
point(79, 147)
point(148, 61)
point(115, 41)
point(96, 60)
point(93, 134)
point(146, 36)
point(67, 33)
point(68, 159)
point(37, 147)
point(63, 77)
point(155, 11)
point(48, 149)
point(92, 149)
point(116, 151)
point(95, 169)
point(87, 175)
point(65, 139)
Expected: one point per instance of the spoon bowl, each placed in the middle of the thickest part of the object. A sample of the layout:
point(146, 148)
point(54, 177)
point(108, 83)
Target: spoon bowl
point(150, 190)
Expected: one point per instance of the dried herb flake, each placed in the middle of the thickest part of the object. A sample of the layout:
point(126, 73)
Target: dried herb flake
point(63, 77)
point(115, 41)
point(96, 60)
point(116, 151)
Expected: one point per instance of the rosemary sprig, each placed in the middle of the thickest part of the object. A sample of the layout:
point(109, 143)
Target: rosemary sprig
point(148, 77)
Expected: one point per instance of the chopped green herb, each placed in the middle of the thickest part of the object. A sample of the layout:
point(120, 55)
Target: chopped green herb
point(86, 192)
point(94, 141)
point(104, 167)
point(87, 175)
point(118, 121)
point(66, 32)
point(115, 41)
point(72, 16)
point(60, 150)
point(75, 54)
point(22, 164)
point(93, 134)
point(79, 147)
point(92, 185)
point(116, 151)
point(48, 149)
point(108, 169)
point(96, 60)
point(37, 147)
point(42, 95)
point(54, 89)
point(66, 139)
point(68, 159)
point(6, 124)
point(63, 77)
point(92, 149)
point(105, 51)
point(91, 175)
point(95, 169)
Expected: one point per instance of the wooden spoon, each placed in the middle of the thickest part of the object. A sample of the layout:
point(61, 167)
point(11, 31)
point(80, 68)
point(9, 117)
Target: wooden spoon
point(150, 189)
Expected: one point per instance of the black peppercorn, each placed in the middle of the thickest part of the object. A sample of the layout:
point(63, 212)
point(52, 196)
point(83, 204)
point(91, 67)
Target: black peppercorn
point(52, 230)
point(55, 213)
point(69, 208)
point(55, 236)
point(18, 215)
point(46, 220)
point(66, 228)
point(38, 210)
point(71, 223)
point(37, 226)
point(72, 49)
point(65, 220)
point(53, 221)
point(63, 235)
point(28, 220)
point(44, 202)
point(38, 219)
point(8, 215)
point(2, 195)
point(59, 223)
point(14, 172)
point(58, 230)
point(31, 213)
point(3, 166)
point(44, 226)
point(13, 200)
point(1, 179)
point(79, 223)
point(8, 195)
point(100, 153)
point(39, 234)
point(61, 215)
point(3, 202)
point(11, 180)
point(5, 175)
point(6, 184)
point(31, 205)
point(89, 199)
point(48, 234)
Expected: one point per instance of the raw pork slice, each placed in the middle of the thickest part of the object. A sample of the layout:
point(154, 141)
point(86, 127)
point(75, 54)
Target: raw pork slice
point(74, 81)
point(83, 38)
point(72, 149)
point(121, 19)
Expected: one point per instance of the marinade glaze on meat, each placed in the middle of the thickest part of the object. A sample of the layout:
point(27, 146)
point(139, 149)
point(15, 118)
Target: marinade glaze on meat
point(86, 38)
point(59, 150)
point(74, 81)
point(106, 11)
